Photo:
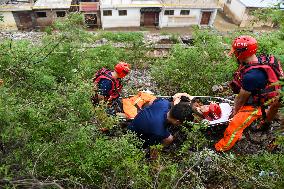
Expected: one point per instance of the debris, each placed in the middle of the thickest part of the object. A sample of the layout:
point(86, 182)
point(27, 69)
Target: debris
point(217, 88)
point(186, 39)
point(140, 80)
point(262, 173)
point(32, 36)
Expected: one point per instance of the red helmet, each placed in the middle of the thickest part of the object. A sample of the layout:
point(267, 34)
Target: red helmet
point(122, 69)
point(213, 113)
point(244, 46)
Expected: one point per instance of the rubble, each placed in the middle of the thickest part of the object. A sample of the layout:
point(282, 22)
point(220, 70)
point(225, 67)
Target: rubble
point(154, 38)
point(156, 41)
point(161, 39)
point(186, 39)
point(102, 41)
point(34, 37)
point(140, 80)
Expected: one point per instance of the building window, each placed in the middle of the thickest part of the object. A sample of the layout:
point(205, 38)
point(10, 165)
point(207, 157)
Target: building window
point(41, 14)
point(107, 12)
point(169, 12)
point(229, 1)
point(184, 12)
point(122, 12)
point(60, 13)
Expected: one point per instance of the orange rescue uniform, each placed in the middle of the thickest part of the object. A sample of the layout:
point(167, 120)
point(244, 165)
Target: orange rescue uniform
point(244, 118)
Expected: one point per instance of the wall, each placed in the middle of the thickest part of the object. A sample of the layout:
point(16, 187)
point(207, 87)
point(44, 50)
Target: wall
point(9, 22)
point(221, 3)
point(25, 20)
point(45, 21)
point(239, 14)
point(235, 11)
point(131, 20)
point(178, 20)
point(42, 22)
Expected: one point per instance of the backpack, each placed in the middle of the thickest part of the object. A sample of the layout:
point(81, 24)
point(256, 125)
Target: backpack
point(274, 72)
point(269, 64)
point(273, 63)
point(116, 83)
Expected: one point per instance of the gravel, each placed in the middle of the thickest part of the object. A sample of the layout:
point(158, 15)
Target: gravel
point(34, 37)
point(139, 80)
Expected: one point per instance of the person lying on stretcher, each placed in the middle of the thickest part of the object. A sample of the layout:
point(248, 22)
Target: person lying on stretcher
point(211, 112)
point(214, 113)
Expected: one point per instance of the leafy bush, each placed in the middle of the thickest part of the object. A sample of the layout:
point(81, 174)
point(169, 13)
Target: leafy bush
point(82, 154)
point(186, 69)
point(127, 37)
point(74, 22)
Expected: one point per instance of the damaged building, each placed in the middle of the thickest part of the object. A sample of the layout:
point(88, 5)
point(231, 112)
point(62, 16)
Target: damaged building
point(17, 15)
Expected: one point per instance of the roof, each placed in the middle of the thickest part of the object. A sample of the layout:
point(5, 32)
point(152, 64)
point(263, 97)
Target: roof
point(52, 4)
point(129, 3)
point(160, 3)
point(14, 6)
point(260, 3)
point(191, 4)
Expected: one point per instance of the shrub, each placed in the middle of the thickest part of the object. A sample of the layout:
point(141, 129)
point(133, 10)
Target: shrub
point(127, 37)
point(186, 69)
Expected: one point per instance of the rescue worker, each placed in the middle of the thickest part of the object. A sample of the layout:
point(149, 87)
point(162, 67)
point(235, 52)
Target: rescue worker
point(107, 83)
point(151, 124)
point(252, 82)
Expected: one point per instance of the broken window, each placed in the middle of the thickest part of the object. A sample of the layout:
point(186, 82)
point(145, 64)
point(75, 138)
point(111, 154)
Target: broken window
point(107, 12)
point(91, 19)
point(60, 13)
point(41, 14)
point(122, 12)
point(169, 12)
point(184, 12)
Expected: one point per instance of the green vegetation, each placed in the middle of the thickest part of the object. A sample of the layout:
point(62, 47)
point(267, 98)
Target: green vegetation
point(186, 69)
point(1, 18)
point(49, 130)
point(133, 37)
point(275, 15)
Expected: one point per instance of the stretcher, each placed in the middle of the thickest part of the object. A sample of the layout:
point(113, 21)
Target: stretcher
point(214, 126)
point(224, 103)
